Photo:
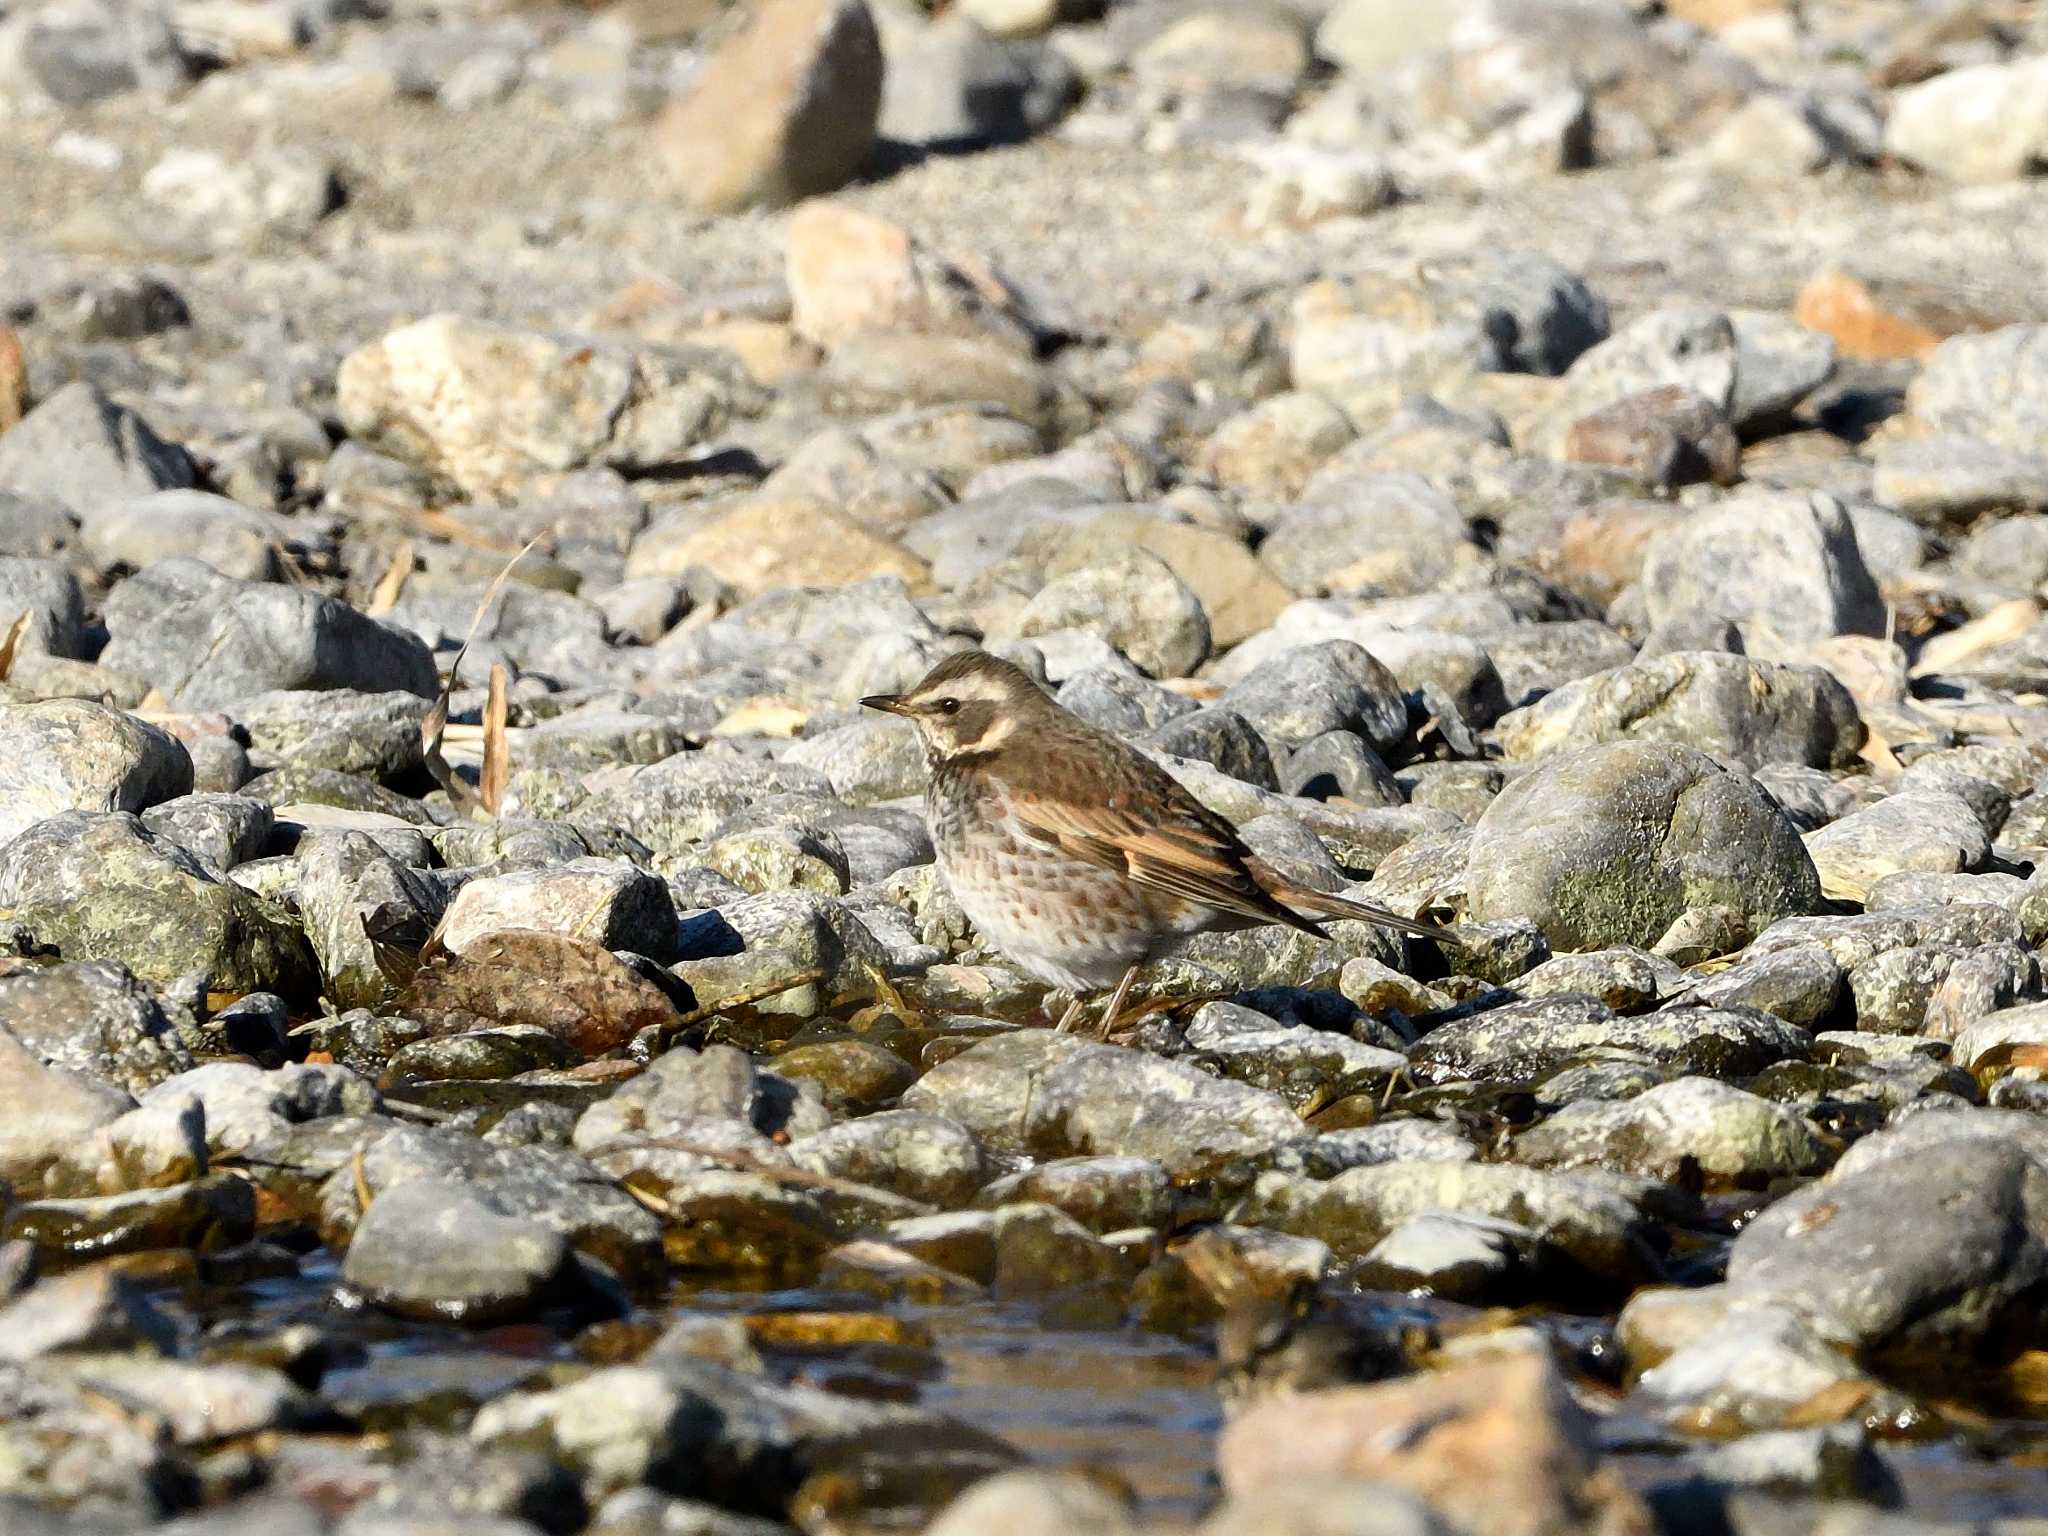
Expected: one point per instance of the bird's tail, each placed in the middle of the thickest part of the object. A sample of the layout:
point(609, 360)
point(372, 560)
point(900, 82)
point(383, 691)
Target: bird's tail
point(1323, 904)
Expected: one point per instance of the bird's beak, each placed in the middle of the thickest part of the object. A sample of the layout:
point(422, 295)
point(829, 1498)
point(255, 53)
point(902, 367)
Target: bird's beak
point(887, 703)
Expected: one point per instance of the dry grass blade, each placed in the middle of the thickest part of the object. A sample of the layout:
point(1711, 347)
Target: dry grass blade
point(436, 724)
point(8, 646)
point(497, 769)
point(391, 585)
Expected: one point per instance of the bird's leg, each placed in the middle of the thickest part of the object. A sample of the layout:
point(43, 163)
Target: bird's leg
point(1116, 1001)
point(1067, 1019)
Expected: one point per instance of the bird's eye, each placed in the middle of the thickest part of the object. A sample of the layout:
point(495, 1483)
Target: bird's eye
point(949, 706)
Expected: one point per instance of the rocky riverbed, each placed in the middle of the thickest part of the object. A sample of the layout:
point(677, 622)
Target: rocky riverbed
point(483, 1048)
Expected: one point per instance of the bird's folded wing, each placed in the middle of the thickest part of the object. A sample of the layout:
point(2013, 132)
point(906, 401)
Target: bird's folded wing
point(1184, 856)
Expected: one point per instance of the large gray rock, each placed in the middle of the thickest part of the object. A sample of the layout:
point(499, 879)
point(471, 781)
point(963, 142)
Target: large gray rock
point(222, 831)
point(705, 1102)
point(1029, 1091)
point(47, 593)
point(1972, 1247)
point(1736, 707)
point(1726, 1135)
point(1583, 1220)
point(490, 406)
point(949, 83)
point(78, 449)
point(1983, 122)
point(445, 1252)
point(247, 1112)
point(1783, 565)
point(68, 755)
point(207, 641)
point(95, 1021)
point(354, 897)
point(1136, 603)
point(1685, 345)
point(1527, 1042)
point(1928, 831)
point(921, 1156)
point(1335, 685)
point(1610, 845)
point(682, 800)
point(1393, 531)
point(104, 887)
point(697, 1427)
point(235, 540)
point(605, 900)
point(551, 1186)
point(44, 1111)
point(1992, 385)
point(376, 735)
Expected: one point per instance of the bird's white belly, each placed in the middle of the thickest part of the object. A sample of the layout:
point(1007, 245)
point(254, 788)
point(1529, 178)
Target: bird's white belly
point(1065, 923)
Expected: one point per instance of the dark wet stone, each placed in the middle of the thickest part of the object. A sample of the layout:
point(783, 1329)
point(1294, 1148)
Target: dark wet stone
point(484, 1055)
point(852, 1076)
point(206, 1214)
point(1042, 1251)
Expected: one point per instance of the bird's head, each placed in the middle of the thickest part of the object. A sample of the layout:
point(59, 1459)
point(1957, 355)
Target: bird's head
point(967, 705)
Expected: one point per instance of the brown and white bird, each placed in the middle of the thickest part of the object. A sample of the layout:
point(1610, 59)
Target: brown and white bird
point(1072, 853)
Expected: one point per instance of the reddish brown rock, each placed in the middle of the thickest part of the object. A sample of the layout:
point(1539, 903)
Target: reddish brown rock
point(1668, 436)
point(1497, 1447)
point(1843, 307)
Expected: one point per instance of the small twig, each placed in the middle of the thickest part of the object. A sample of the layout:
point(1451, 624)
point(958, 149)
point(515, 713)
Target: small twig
point(363, 1196)
point(804, 978)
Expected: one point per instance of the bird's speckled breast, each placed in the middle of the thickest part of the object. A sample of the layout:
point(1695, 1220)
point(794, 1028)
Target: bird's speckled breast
point(1064, 921)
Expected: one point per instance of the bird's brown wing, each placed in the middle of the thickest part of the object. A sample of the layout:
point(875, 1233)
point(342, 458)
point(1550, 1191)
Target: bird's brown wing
point(1178, 850)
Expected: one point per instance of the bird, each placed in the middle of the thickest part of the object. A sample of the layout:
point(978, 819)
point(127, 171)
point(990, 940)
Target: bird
point(1075, 854)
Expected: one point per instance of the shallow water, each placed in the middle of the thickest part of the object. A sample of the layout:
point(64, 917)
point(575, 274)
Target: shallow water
point(1137, 1405)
